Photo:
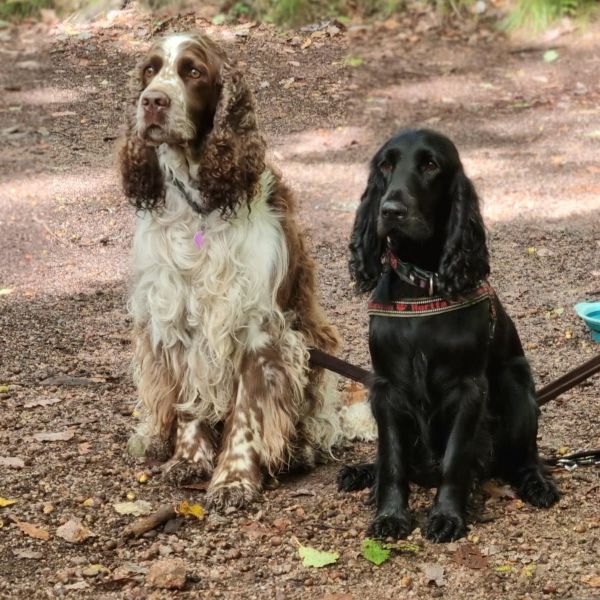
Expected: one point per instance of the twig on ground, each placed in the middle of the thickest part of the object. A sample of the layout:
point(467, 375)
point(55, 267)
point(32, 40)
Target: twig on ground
point(162, 515)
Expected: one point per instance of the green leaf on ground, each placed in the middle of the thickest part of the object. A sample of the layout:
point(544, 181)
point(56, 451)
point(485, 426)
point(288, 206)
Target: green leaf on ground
point(316, 558)
point(354, 61)
point(374, 552)
point(550, 55)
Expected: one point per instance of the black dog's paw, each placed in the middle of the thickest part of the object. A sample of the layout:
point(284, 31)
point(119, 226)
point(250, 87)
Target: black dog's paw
point(352, 478)
point(394, 526)
point(538, 490)
point(445, 526)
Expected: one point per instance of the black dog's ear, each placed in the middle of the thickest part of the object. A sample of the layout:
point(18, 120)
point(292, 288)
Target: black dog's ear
point(465, 258)
point(366, 248)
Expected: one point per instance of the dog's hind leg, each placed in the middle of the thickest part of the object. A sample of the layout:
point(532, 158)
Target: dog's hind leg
point(352, 478)
point(516, 454)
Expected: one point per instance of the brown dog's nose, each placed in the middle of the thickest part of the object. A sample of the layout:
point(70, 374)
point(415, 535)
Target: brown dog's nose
point(153, 101)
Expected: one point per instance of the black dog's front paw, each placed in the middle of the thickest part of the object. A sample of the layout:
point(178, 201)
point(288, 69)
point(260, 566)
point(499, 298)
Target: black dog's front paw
point(394, 526)
point(539, 490)
point(352, 478)
point(445, 526)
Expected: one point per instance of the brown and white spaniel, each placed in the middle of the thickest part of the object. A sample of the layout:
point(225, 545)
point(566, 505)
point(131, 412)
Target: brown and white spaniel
point(224, 298)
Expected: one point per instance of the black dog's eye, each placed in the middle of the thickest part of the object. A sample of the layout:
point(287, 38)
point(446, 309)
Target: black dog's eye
point(385, 167)
point(429, 166)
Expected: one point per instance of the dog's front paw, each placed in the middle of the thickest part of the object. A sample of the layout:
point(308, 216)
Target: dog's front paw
point(538, 490)
point(352, 478)
point(445, 526)
point(394, 526)
point(182, 472)
point(239, 494)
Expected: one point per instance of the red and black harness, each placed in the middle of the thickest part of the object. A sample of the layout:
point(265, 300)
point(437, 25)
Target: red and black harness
point(433, 305)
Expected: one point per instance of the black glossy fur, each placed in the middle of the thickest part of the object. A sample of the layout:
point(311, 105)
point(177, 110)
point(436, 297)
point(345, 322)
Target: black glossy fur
point(452, 405)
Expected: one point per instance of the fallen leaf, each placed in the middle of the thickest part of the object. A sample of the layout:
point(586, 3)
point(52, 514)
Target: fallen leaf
point(84, 448)
point(142, 477)
point(499, 491)
point(137, 508)
point(42, 402)
point(550, 56)
point(24, 553)
point(528, 570)
point(73, 532)
point(33, 531)
point(50, 436)
point(6, 502)
point(354, 61)
point(591, 580)
point(374, 552)
point(469, 555)
point(504, 568)
point(4, 389)
point(434, 574)
point(5, 291)
point(12, 462)
point(404, 547)
point(190, 510)
point(307, 42)
point(94, 570)
point(316, 558)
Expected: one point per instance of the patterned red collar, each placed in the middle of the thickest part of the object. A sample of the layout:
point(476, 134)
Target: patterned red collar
point(426, 307)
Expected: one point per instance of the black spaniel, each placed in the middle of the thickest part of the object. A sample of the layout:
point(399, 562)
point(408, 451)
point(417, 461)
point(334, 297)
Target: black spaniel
point(453, 395)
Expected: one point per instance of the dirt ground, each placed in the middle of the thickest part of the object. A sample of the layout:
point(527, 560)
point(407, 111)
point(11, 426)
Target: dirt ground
point(529, 134)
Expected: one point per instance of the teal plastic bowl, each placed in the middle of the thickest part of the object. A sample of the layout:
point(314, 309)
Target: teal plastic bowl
point(590, 313)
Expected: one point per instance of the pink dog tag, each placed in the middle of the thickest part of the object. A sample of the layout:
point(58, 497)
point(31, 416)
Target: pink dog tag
point(198, 239)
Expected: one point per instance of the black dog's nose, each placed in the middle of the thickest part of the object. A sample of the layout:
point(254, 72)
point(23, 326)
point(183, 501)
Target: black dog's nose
point(393, 210)
point(155, 101)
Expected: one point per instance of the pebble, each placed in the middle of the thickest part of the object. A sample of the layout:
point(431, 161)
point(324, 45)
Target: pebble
point(169, 574)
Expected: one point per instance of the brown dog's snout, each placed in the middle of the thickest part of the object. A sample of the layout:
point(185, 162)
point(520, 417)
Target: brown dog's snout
point(155, 102)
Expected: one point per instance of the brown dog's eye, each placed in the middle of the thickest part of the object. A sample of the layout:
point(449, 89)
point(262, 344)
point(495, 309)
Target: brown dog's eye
point(149, 71)
point(429, 167)
point(196, 73)
point(385, 167)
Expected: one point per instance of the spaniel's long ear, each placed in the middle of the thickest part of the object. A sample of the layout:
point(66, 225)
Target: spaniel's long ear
point(232, 157)
point(465, 259)
point(366, 248)
point(141, 176)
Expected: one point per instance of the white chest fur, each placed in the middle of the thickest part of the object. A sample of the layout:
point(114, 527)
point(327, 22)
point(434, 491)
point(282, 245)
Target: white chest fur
point(205, 306)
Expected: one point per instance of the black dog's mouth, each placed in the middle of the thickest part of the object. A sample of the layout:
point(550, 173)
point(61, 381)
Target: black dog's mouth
point(407, 227)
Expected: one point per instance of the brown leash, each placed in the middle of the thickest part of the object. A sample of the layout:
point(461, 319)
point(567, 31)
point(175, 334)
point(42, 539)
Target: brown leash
point(569, 380)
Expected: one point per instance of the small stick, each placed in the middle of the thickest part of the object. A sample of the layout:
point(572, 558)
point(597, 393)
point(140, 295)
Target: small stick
point(162, 515)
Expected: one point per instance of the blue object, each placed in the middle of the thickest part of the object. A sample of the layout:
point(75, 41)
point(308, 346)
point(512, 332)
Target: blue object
point(590, 313)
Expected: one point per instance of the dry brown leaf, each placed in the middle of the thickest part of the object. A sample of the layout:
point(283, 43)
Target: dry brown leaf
point(84, 448)
point(33, 531)
point(434, 574)
point(470, 556)
point(53, 436)
point(73, 532)
point(498, 491)
point(42, 402)
point(13, 462)
point(591, 580)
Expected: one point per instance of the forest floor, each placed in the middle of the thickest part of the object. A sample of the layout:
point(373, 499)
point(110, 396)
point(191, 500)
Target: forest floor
point(529, 134)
